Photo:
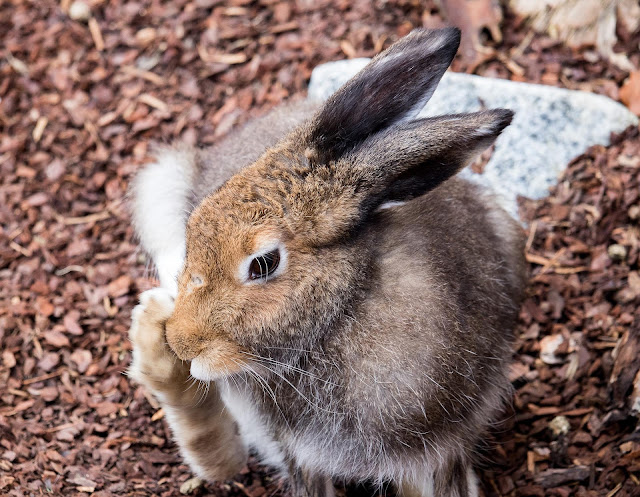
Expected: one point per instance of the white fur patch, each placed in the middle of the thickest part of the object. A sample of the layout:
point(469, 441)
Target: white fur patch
point(169, 263)
point(389, 205)
point(254, 431)
point(422, 486)
point(161, 207)
point(200, 369)
point(472, 481)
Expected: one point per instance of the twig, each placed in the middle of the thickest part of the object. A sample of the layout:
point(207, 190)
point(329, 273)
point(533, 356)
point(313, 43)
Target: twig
point(96, 34)
point(48, 376)
point(532, 234)
point(615, 490)
point(69, 269)
point(20, 249)
point(154, 102)
point(524, 44)
point(91, 218)
point(139, 73)
point(39, 128)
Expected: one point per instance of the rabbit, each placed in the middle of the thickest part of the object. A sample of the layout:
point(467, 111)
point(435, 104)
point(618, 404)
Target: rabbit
point(349, 303)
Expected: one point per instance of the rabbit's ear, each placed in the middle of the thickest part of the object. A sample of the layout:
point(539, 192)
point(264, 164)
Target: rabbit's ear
point(409, 159)
point(394, 165)
point(392, 88)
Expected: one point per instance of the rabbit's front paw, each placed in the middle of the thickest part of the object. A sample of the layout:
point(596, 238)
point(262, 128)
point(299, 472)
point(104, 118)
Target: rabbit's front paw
point(154, 364)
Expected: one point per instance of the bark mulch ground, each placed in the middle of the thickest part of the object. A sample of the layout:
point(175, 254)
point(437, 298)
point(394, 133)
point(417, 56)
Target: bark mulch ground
point(80, 102)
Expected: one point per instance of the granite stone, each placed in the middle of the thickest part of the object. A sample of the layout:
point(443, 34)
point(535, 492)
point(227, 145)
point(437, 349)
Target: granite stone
point(551, 125)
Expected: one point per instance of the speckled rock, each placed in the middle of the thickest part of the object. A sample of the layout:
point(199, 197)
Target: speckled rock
point(551, 125)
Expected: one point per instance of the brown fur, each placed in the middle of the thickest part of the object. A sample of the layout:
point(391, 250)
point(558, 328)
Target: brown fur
point(386, 336)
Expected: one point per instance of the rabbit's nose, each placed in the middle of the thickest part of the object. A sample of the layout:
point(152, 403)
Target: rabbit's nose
point(185, 342)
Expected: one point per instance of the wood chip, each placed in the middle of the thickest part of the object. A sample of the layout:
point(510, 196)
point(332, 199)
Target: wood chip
point(556, 477)
point(154, 102)
point(38, 130)
point(230, 58)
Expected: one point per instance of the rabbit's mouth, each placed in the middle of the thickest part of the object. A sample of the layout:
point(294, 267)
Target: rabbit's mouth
point(215, 363)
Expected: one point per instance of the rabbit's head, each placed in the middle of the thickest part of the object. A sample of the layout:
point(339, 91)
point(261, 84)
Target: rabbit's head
point(274, 256)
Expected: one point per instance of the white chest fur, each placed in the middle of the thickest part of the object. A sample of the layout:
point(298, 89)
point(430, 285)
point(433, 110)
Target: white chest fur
point(253, 429)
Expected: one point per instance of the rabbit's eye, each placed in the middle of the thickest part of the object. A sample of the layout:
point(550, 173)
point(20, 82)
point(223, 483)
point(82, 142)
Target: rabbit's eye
point(264, 265)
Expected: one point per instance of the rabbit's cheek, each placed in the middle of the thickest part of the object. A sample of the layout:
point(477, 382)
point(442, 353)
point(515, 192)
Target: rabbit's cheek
point(218, 360)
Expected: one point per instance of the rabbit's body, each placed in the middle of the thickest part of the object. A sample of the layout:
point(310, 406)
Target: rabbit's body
point(378, 348)
point(413, 336)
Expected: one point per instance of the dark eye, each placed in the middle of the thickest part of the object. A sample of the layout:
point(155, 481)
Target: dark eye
point(264, 265)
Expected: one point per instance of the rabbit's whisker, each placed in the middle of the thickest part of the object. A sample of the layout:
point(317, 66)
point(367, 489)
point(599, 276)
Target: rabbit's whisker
point(285, 366)
point(311, 404)
point(192, 381)
point(295, 349)
point(266, 388)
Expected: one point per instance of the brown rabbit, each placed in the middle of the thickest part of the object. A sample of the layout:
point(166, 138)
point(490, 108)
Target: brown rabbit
point(350, 304)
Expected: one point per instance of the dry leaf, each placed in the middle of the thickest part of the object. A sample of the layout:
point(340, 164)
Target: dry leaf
point(630, 93)
point(120, 286)
point(49, 361)
point(44, 306)
point(626, 364)
point(472, 16)
point(549, 347)
point(71, 323)
point(8, 359)
point(82, 359)
point(191, 485)
point(56, 339)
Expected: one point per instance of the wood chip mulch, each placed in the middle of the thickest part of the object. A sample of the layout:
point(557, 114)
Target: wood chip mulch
point(80, 102)
point(573, 426)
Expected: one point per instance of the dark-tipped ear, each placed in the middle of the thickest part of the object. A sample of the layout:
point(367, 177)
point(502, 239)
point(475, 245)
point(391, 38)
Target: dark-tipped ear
point(392, 88)
point(412, 158)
